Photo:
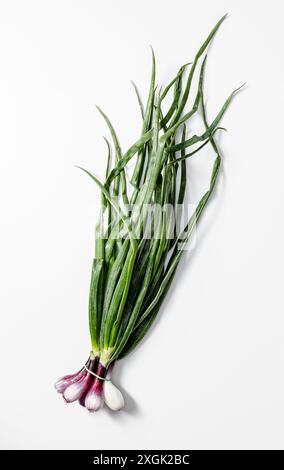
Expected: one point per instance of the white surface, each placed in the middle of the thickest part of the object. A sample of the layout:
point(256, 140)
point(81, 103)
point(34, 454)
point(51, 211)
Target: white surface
point(59, 58)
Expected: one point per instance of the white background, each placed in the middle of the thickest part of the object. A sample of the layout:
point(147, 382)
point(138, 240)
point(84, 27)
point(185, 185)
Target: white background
point(210, 374)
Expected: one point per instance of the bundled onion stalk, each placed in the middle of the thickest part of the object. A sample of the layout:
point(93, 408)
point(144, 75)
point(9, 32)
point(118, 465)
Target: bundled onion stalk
point(131, 272)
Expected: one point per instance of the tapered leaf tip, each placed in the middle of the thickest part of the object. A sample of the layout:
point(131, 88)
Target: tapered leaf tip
point(134, 85)
point(106, 140)
point(100, 111)
point(221, 20)
point(240, 87)
point(80, 168)
point(153, 53)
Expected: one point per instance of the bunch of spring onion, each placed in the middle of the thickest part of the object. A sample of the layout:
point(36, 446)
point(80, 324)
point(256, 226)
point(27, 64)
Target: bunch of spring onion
point(131, 273)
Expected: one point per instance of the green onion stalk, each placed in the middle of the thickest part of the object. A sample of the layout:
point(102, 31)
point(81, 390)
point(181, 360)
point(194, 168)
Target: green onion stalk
point(133, 268)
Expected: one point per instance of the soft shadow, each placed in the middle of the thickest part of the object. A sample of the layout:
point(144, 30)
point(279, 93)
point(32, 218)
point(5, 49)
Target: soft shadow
point(204, 226)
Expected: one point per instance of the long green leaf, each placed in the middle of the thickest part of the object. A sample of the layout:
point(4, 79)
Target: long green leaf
point(122, 216)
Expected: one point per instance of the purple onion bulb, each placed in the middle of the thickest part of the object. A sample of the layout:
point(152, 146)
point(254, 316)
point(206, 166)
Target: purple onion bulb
point(94, 399)
point(67, 380)
point(76, 390)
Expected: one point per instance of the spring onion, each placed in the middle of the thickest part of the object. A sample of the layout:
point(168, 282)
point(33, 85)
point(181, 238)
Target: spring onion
point(131, 273)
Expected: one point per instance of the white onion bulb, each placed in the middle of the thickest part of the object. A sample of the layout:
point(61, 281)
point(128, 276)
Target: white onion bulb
point(113, 396)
